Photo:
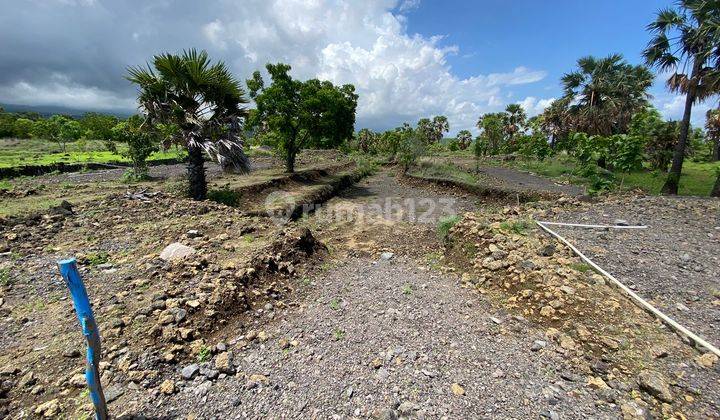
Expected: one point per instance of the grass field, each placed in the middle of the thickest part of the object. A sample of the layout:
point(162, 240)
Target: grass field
point(697, 178)
point(36, 152)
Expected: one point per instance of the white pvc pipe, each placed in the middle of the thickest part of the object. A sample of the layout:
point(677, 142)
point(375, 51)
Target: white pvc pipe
point(638, 300)
point(594, 226)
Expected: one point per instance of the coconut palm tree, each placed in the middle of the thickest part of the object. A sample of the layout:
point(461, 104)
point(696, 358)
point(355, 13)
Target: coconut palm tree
point(686, 39)
point(606, 93)
point(204, 101)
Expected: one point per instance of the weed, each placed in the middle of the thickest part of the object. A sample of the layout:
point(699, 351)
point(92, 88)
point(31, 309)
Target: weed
point(581, 267)
point(225, 196)
point(97, 258)
point(306, 281)
point(338, 334)
point(5, 277)
point(445, 224)
point(519, 227)
point(407, 289)
point(334, 305)
point(204, 354)
point(248, 239)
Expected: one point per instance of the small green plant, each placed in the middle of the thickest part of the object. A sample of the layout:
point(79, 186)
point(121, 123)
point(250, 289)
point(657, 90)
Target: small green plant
point(519, 227)
point(225, 196)
point(204, 354)
point(5, 277)
point(248, 239)
point(306, 281)
point(445, 224)
point(581, 267)
point(97, 258)
point(135, 175)
point(338, 334)
point(334, 304)
point(407, 289)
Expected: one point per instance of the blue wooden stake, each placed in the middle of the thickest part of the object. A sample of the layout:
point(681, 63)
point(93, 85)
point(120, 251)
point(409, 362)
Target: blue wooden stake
point(69, 272)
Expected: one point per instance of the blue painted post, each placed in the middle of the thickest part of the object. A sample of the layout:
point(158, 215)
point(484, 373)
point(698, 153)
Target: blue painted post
point(69, 272)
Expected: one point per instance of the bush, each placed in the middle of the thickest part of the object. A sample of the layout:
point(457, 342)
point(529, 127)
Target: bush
point(535, 145)
point(141, 143)
point(411, 147)
point(225, 196)
point(445, 224)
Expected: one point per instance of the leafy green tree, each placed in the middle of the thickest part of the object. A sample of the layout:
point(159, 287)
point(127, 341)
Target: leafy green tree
point(658, 135)
point(687, 38)
point(492, 129)
point(204, 102)
point(464, 138)
point(58, 128)
point(410, 148)
point(557, 123)
point(22, 127)
point(311, 113)
point(98, 126)
point(142, 141)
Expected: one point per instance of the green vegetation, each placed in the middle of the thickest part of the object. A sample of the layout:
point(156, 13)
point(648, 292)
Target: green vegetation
point(407, 289)
point(5, 277)
point(445, 224)
point(224, 195)
point(338, 334)
point(519, 227)
point(334, 304)
point(97, 258)
point(204, 354)
point(294, 115)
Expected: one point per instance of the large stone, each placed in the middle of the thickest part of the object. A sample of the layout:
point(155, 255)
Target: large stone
point(48, 409)
point(176, 251)
point(706, 360)
point(655, 385)
point(188, 372)
point(167, 387)
point(223, 362)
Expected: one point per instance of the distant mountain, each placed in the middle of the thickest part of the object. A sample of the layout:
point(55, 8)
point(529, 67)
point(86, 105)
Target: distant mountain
point(47, 110)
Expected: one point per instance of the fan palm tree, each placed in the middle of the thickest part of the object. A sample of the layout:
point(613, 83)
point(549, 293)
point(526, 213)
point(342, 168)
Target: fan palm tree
point(686, 39)
point(712, 128)
point(204, 101)
point(606, 93)
point(514, 122)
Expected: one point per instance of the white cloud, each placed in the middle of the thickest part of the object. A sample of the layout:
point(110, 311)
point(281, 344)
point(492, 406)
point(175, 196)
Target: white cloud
point(60, 91)
point(534, 106)
point(399, 76)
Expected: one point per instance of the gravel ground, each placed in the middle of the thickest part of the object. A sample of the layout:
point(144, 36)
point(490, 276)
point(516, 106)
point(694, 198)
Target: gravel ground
point(382, 338)
point(675, 262)
point(387, 337)
point(512, 178)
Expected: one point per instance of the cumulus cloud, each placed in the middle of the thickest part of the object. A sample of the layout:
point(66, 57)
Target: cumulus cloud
point(534, 106)
point(74, 53)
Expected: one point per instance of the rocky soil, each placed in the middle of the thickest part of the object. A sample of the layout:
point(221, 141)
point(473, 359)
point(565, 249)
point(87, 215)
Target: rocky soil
point(359, 309)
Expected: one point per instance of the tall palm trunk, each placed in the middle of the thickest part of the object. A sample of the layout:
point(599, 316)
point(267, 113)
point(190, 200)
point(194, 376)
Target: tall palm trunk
point(673, 180)
point(196, 173)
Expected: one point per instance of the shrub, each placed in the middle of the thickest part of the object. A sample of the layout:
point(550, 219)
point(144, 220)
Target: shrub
point(410, 148)
point(445, 224)
point(224, 196)
point(141, 141)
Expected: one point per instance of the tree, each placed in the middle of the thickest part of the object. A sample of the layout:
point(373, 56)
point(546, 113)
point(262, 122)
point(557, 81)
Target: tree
point(204, 102)
point(464, 138)
point(687, 38)
point(302, 113)
point(557, 122)
point(514, 123)
point(22, 128)
point(712, 127)
point(142, 141)
point(659, 136)
point(606, 93)
point(58, 128)
point(366, 139)
point(492, 129)
point(98, 126)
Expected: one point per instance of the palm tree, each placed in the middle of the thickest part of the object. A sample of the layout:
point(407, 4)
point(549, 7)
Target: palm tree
point(607, 92)
point(514, 122)
point(464, 138)
point(684, 39)
point(557, 122)
point(204, 101)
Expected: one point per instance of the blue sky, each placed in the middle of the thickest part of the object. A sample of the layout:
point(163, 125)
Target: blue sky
point(408, 59)
point(492, 35)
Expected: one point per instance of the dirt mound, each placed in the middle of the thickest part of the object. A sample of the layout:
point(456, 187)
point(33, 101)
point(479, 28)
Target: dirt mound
point(507, 257)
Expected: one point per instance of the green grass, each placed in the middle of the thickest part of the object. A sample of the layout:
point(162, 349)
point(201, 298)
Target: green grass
point(519, 227)
point(444, 171)
point(38, 152)
point(697, 178)
point(445, 224)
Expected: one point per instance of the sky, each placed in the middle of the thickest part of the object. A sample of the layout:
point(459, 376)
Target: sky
point(408, 59)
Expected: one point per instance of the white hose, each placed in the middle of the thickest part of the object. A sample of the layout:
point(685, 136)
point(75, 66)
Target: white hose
point(595, 226)
point(638, 300)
